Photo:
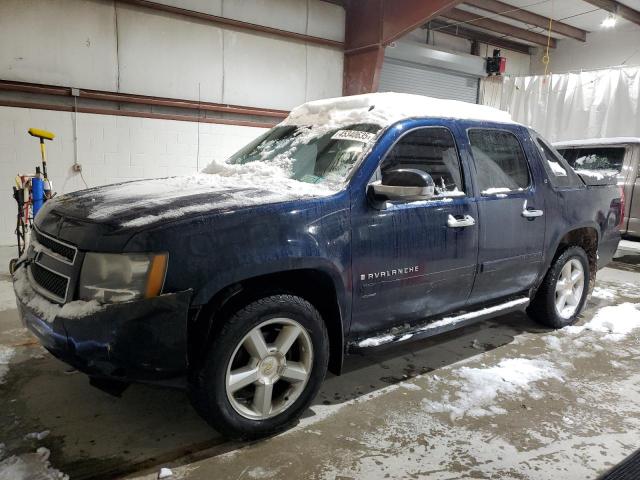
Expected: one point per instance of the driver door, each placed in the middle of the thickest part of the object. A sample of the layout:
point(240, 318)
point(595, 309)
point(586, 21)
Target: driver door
point(414, 259)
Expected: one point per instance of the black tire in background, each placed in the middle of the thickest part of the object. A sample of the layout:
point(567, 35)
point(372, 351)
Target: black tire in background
point(543, 307)
point(209, 391)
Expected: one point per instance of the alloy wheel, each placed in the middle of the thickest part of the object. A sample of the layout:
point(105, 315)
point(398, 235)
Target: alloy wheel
point(569, 288)
point(269, 368)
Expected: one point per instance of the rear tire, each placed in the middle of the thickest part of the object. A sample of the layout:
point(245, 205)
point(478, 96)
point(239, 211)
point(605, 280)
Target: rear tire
point(263, 368)
point(564, 290)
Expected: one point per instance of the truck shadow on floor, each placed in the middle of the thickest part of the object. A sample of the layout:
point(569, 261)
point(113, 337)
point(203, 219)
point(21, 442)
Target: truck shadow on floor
point(364, 374)
point(94, 435)
point(629, 263)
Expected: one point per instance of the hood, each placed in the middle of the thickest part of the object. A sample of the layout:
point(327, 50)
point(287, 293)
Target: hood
point(145, 202)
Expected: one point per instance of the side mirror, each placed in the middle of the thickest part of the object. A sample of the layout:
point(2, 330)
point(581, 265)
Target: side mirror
point(404, 184)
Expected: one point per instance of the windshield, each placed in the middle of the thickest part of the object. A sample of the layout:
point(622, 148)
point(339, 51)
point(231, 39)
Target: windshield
point(310, 154)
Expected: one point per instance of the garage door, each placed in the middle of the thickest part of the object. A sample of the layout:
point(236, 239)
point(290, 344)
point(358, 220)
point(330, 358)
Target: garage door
point(398, 76)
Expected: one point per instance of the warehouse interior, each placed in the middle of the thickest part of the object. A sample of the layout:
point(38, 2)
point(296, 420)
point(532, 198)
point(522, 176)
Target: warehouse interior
point(146, 89)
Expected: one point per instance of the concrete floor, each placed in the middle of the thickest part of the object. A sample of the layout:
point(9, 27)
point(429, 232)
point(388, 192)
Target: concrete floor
point(442, 408)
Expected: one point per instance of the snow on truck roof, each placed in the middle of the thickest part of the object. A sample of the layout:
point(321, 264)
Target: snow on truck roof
point(387, 108)
point(594, 142)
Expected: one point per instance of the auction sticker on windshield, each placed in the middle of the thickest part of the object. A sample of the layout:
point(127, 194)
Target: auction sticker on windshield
point(353, 135)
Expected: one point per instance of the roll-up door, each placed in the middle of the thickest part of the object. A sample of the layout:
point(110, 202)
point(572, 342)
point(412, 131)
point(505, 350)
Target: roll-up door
point(405, 77)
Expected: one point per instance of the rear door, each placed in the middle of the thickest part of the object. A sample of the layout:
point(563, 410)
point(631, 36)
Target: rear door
point(510, 210)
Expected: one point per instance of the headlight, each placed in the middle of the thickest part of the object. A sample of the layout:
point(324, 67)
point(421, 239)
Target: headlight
point(122, 277)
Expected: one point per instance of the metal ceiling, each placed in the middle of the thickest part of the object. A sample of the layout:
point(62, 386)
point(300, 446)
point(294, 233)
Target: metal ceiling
point(526, 21)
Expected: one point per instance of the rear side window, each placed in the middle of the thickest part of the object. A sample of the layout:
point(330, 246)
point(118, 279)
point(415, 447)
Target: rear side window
point(432, 150)
point(559, 175)
point(500, 161)
point(604, 159)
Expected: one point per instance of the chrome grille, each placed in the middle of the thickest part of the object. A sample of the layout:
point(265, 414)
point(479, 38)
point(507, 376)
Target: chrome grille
point(50, 281)
point(56, 246)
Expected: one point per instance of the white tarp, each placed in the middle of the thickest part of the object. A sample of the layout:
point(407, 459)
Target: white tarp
point(593, 104)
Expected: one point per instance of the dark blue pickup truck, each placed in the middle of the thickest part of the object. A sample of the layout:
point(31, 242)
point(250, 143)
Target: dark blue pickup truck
point(356, 223)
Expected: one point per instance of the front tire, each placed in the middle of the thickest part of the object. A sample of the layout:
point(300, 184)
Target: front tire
point(564, 290)
point(264, 368)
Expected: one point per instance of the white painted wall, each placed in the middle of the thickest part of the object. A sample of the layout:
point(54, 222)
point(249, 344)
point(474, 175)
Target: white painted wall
point(110, 149)
point(166, 55)
point(95, 44)
point(59, 42)
point(603, 48)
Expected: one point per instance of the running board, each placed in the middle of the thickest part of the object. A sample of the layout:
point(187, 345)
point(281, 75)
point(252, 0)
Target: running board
point(437, 327)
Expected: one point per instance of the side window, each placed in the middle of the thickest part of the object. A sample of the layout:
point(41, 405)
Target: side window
point(559, 176)
point(500, 161)
point(432, 150)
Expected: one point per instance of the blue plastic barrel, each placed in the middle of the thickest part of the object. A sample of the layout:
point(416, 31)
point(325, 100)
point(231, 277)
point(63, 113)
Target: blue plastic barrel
point(37, 192)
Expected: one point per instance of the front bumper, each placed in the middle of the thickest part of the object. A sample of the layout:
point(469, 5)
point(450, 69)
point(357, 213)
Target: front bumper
point(141, 341)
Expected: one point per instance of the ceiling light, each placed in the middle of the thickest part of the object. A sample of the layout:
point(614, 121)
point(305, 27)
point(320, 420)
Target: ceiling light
point(609, 22)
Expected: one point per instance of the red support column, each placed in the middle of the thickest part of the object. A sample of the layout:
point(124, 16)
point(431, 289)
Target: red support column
point(373, 24)
point(362, 70)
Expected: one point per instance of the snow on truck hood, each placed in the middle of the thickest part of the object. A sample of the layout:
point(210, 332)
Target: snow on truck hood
point(143, 202)
point(387, 108)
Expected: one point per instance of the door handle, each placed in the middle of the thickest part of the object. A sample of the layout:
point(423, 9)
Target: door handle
point(530, 212)
point(465, 221)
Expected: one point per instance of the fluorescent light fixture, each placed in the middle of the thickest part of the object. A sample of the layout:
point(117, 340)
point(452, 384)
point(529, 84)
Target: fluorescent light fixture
point(609, 22)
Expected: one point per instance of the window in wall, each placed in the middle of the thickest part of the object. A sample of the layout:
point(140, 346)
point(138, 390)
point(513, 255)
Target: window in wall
point(432, 150)
point(501, 164)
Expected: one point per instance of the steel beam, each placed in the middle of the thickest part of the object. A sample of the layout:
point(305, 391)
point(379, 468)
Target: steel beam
point(530, 18)
point(403, 16)
point(130, 113)
point(373, 24)
point(617, 8)
point(475, 35)
point(231, 23)
point(40, 89)
point(473, 19)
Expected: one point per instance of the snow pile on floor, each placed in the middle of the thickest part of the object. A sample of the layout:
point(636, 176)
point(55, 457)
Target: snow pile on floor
point(165, 473)
point(478, 388)
point(37, 435)
point(7, 297)
point(603, 293)
point(553, 342)
point(387, 108)
point(30, 466)
point(6, 353)
point(47, 310)
point(617, 321)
